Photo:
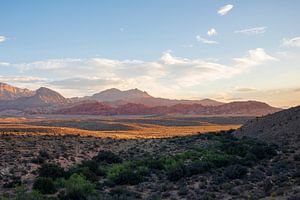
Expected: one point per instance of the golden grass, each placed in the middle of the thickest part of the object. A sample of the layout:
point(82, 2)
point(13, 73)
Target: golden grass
point(140, 131)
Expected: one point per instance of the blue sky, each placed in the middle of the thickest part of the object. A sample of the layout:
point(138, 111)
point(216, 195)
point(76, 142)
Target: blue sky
point(163, 47)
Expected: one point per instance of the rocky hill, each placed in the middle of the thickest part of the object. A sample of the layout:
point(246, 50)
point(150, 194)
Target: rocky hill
point(8, 92)
point(280, 127)
point(43, 97)
point(117, 97)
point(252, 108)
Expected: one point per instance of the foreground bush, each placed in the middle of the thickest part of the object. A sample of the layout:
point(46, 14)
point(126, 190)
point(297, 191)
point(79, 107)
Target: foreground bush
point(44, 185)
point(107, 157)
point(127, 173)
point(51, 171)
point(235, 171)
point(22, 194)
point(78, 188)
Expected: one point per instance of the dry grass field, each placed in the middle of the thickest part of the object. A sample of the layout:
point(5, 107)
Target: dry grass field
point(120, 128)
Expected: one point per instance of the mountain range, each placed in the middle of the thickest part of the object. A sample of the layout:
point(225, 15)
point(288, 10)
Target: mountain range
point(116, 102)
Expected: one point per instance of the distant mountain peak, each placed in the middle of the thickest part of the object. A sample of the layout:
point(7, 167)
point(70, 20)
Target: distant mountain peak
point(8, 92)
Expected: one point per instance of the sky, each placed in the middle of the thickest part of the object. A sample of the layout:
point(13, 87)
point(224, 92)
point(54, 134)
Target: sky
point(224, 50)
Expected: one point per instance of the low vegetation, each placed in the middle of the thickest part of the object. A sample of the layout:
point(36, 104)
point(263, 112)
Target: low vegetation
point(107, 175)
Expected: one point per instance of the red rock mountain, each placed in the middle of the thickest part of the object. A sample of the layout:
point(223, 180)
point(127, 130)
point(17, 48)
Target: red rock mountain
point(117, 97)
point(43, 97)
point(248, 108)
point(8, 92)
point(117, 102)
point(281, 127)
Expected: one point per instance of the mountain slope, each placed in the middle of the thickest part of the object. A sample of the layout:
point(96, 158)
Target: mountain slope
point(43, 97)
point(280, 127)
point(236, 108)
point(8, 92)
point(117, 97)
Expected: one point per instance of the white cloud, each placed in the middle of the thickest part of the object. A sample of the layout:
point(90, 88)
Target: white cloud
point(211, 32)
point(225, 9)
point(253, 31)
point(165, 76)
point(254, 57)
point(291, 42)
point(2, 38)
point(4, 64)
point(245, 89)
point(21, 79)
point(205, 41)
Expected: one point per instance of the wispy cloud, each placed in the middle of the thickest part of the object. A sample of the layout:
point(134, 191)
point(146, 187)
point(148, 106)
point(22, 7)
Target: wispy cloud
point(164, 76)
point(21, 79)
point(254, 57)
point(244, 89)
point(225, 9)
point(212, 32)
point(2, 38)
point(205, 41)
point(253, 31)
point(291, 42)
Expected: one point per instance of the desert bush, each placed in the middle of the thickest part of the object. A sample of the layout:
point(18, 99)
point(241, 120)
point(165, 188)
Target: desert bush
point(262, 150)
point(84, 171)
point(42, 157)
point(51, 171)
point(21, 193)
point(176, 171)
point(218, 159)
point(235, 171)
point(127, 173)
point(153, 164)
point(107, 157)
point(77, 188)
point(44, 185)
point(198, 167)
point(123, 193)
point(15, 181)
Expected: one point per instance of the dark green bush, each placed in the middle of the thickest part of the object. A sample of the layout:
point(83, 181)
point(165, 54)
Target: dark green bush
point(218, 159)
point(84, 171)
point(198, 167)
point(127, 173)
point(107, 157)
point(123, 193)
point(78, 188)
point(235, 171)
point(176, 171)
point(51, 171)
point(44, 185)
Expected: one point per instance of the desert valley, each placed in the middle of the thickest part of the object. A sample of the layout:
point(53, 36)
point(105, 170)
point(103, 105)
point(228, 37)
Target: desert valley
point(149, 100)
point(129, 145)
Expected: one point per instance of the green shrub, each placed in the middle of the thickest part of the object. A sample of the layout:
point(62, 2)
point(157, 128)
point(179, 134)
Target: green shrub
point(123, 193)
point(262, 151)
point(176, 171)
point(84, 171)
point(21, 193)
point(51, 171)
point(198, 167)
point(127, 173)
point(78, 188)
point(107, 157)
point(153, 164)
point(44, 185)
point(218, 159)
point(90, 164)
point(235, 171)
point(42, 157)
